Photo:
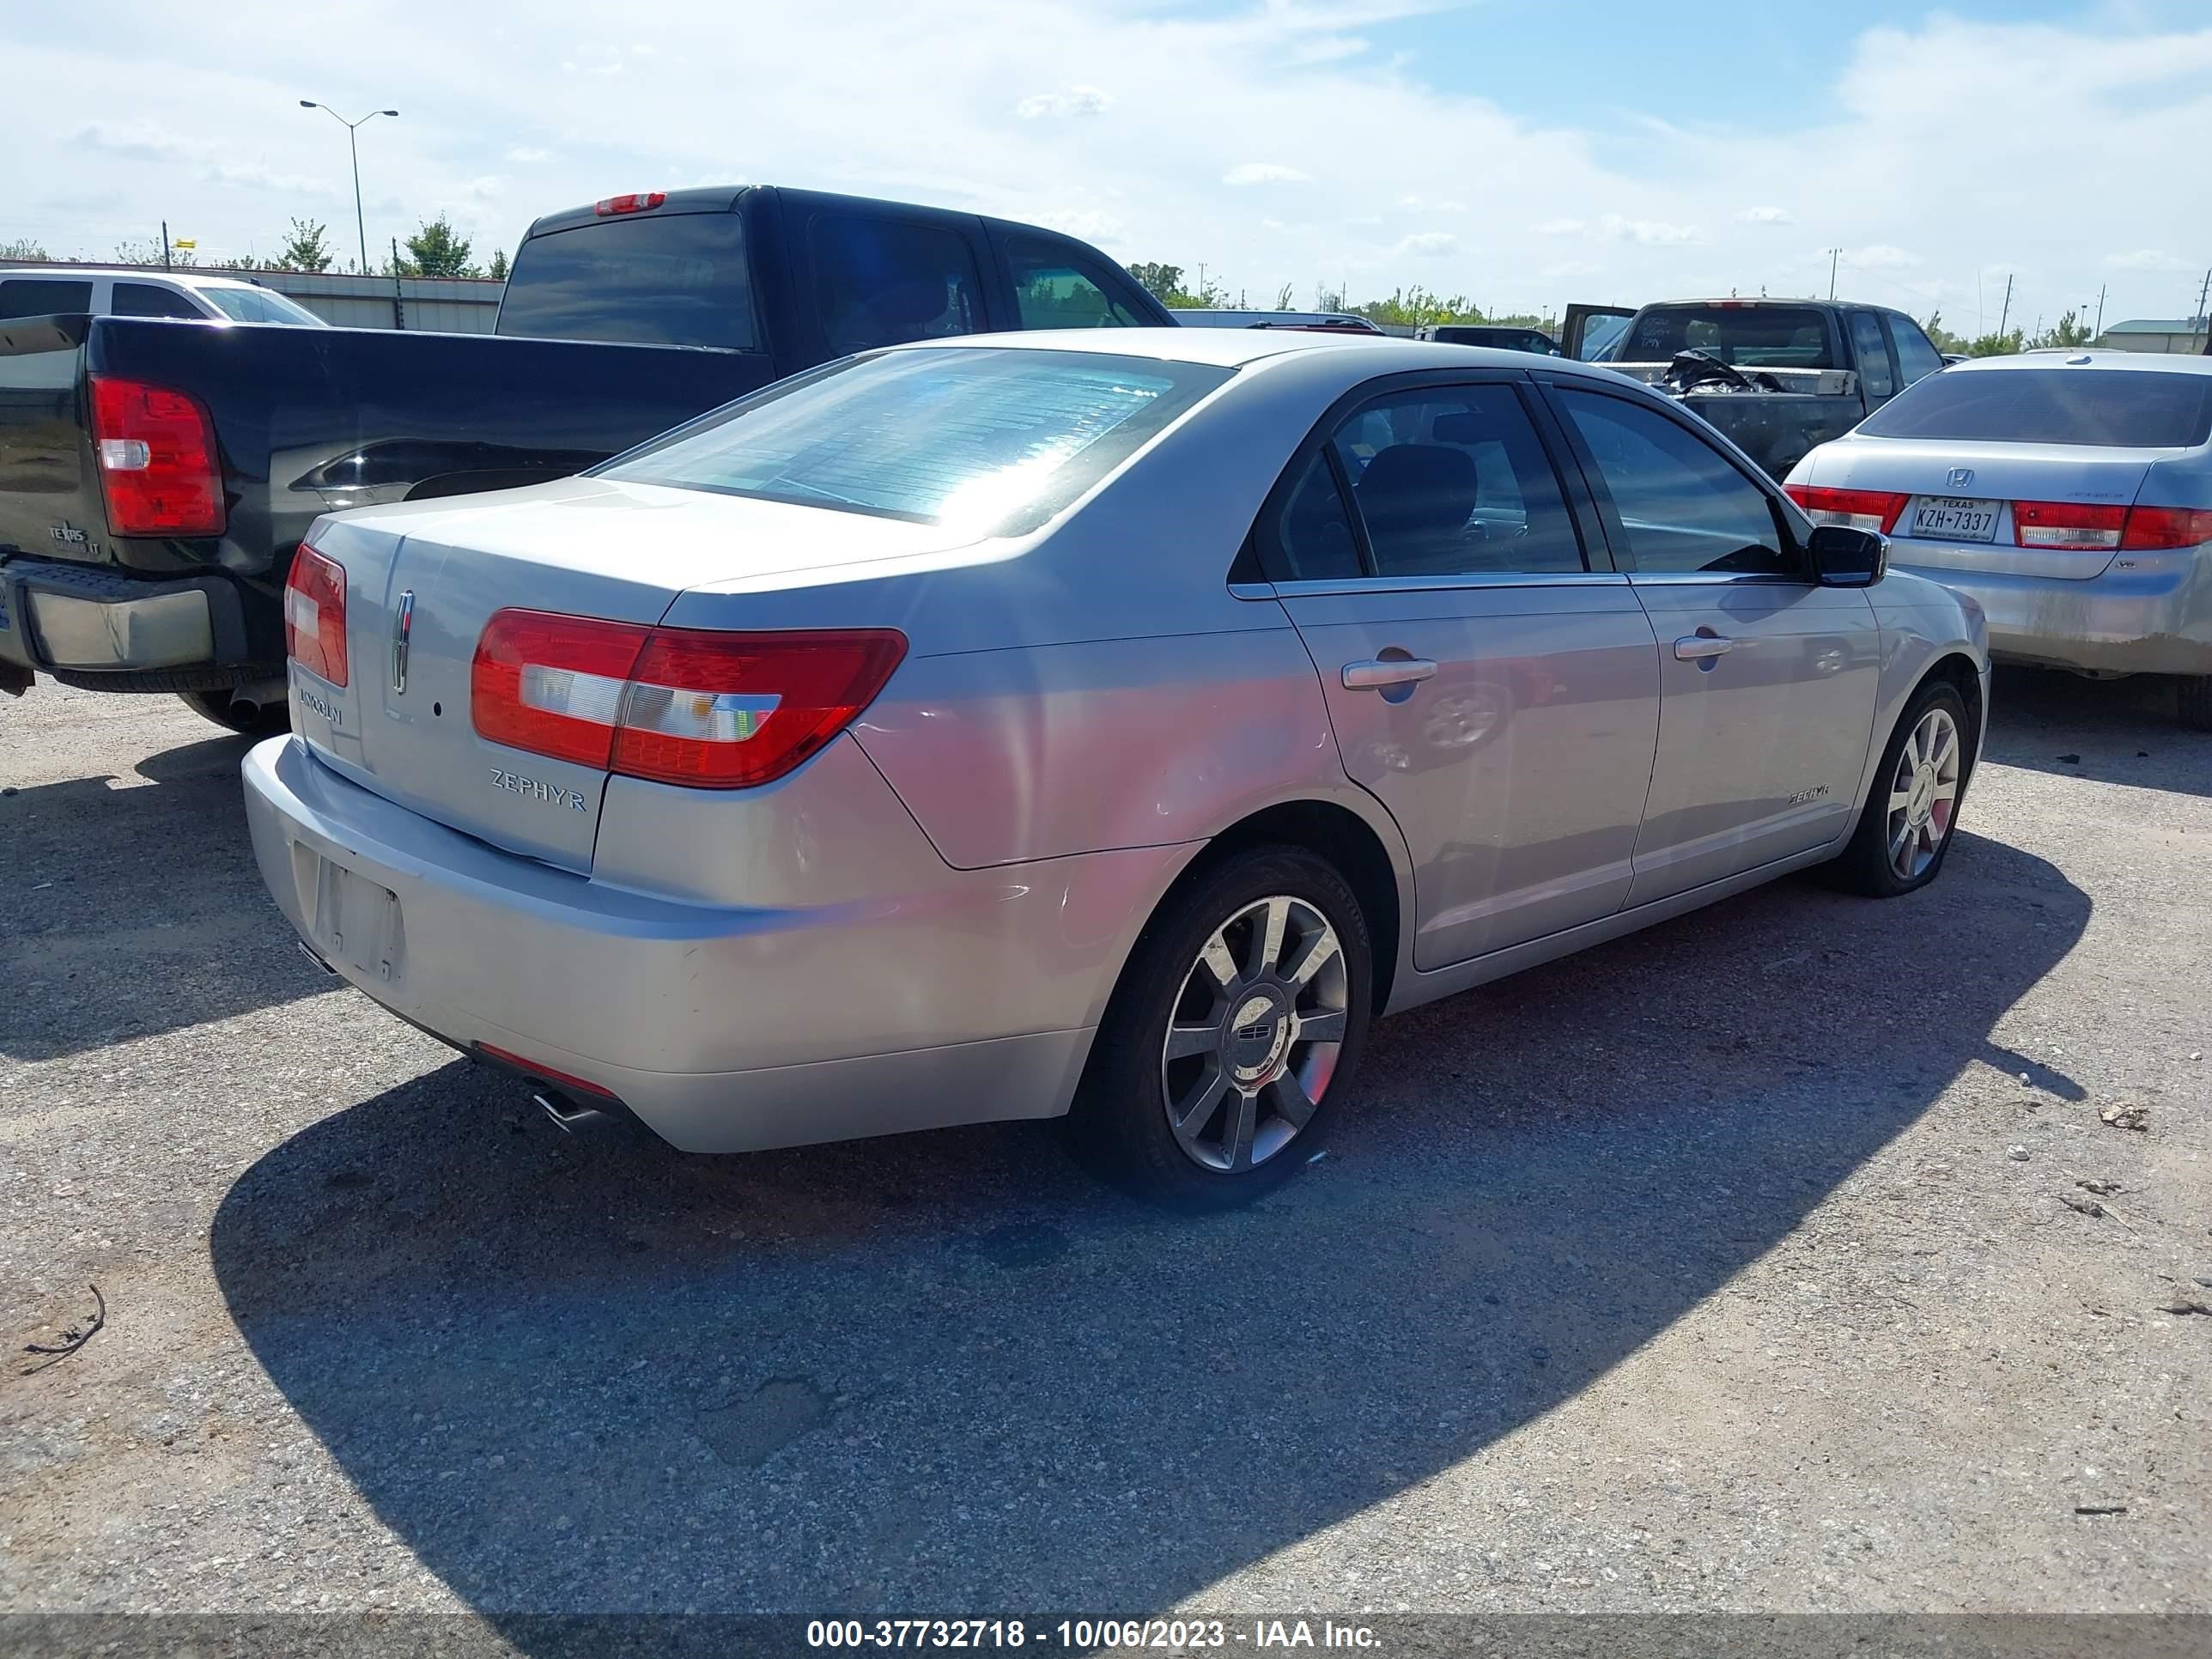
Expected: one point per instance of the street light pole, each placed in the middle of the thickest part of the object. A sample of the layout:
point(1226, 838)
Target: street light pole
point(352, 148)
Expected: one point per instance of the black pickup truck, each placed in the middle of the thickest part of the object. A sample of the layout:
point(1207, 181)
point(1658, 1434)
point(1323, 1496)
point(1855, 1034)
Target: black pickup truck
point(1778, 376)
point(156, 475)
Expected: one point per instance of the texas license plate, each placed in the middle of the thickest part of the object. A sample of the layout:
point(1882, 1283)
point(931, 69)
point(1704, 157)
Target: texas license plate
point(1955, 518)
point(356, 922)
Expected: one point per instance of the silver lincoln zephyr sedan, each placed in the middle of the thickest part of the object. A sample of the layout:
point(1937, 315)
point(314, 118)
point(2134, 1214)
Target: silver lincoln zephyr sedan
point(1106, 724)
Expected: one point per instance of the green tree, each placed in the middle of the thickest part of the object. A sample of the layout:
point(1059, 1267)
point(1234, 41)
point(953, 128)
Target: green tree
point(497, 269)
point(23, 248)
point(1994, 344)
point(1283, 297)
point(305, 248)
point(1941, 338)
point(1158, 280)
point(436, 249)
point(1417, 306)
point(2071, 331)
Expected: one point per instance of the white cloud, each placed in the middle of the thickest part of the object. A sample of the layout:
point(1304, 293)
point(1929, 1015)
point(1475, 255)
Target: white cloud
point(882, 97)
point(1648, 232)
point(1427, 244)
point(1765, 215)
point(1071, 100)
point(2145, 258)
point(1880, 255)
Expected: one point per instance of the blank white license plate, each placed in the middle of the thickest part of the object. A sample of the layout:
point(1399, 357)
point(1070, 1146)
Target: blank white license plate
point(356, 922)
point(1955, 518)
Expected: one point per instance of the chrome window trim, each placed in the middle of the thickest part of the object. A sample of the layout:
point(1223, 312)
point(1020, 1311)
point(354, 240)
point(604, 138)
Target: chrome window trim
point(1326, 586)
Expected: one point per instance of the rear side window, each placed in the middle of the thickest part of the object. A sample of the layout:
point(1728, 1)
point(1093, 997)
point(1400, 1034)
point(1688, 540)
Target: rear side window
point(679, 279)
point(884, 282)
point(1051, 291)
point(1683, 507)
point(1915, 358)
point(1873, 353)
point(1314, 537)
point(41, 296)
point(1454, 480)
point(995, 440)
point(1746, 335)
point(144, 300)
point(2125, 408)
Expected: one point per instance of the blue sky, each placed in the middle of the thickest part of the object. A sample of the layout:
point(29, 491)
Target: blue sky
point(1523, 154)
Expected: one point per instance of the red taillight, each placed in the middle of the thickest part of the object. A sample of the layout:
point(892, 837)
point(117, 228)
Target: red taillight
point(2151, 527)
point(643, 201)
point(157, 461)
point(545, 1074)
point(1857, 510)
point(315, 615)
point(676, 705)
point(2066, 525)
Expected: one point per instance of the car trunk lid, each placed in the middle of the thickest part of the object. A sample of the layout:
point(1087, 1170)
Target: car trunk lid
point(422, 580)
point(1996, 475)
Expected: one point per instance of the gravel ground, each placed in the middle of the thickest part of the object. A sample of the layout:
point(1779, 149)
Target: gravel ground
point(1741, 1265)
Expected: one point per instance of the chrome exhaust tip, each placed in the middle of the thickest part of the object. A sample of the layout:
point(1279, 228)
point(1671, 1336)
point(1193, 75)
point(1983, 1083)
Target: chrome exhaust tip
point(572, 1118)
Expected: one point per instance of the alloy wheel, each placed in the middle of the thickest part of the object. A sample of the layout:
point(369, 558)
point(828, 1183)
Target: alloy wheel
point(1255, 1031)
point(1923, 795)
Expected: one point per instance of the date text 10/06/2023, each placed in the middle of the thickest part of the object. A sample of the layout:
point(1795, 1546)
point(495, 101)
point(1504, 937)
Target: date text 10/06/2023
point(1088, 1635)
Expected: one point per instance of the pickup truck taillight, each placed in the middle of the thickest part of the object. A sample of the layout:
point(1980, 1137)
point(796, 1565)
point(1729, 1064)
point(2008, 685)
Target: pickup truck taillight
point(2098, 529)
point(158, 464)
point(1854, 509)
point(315, 615)
point(675, 705)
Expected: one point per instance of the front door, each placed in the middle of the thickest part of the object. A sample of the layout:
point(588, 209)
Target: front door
point(1495, 693)
point(1767, 681)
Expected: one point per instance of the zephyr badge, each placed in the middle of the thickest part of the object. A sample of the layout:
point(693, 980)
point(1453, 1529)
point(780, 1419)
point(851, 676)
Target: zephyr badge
point(1961, 477)
point(403, 623)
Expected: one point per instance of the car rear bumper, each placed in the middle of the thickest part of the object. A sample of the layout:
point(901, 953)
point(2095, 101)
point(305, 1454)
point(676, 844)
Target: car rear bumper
point(92, 619)
point(723, 1028)
point(2152, 618)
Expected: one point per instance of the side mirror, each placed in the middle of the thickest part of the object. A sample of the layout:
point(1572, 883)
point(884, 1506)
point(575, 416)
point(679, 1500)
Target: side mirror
point(1844, 557)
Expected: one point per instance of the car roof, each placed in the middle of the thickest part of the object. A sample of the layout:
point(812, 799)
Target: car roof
point(2151, 362)
point(1233, 348)
point(129, 273)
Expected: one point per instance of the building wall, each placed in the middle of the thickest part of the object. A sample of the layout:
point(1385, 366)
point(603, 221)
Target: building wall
point(444, 305)
point(2186, 345)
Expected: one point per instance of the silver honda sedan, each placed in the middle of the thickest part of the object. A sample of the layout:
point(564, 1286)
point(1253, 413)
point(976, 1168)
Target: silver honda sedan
point(2070, 493)
point(1101, 724)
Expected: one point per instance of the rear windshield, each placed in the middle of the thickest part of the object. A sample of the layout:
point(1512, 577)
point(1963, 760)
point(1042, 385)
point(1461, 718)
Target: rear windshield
point(994, 438)
point(256, 305)
point(1757, 337)
point(2129, 409)
point(676, 279)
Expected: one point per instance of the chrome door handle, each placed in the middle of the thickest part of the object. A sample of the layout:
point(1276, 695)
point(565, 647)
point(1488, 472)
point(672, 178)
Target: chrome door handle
point(1698, 647)
point(1379, 671)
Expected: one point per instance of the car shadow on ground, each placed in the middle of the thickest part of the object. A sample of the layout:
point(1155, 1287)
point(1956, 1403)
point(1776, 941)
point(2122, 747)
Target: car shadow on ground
point(2126, 731)
point(135, 908)
point(948, 1372)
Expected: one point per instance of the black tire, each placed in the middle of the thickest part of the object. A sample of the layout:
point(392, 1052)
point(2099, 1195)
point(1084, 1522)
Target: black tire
point(1120, 1123)
point(268, 720)
point(1865, 867)
point(2195, 693)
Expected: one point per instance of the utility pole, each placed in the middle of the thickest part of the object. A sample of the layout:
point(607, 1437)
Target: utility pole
point(1834, 253)
point(2007, 311)
point(2201, 293)
point(2099, 334)
point(165, 244)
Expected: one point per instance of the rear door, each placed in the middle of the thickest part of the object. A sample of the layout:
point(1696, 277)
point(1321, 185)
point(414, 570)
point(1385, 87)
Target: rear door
point(1494, 690)
point(1767, 680)
point(1878, 381)
point(867, 277)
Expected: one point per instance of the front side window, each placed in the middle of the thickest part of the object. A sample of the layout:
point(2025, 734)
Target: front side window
point(144, 300)
point(1683, 506)
point(1454, 480)
point(886, 282)
point(1873, 352)
point(41, 296)
point(1915, 358)
point(995, 440)
point(1051, 292)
